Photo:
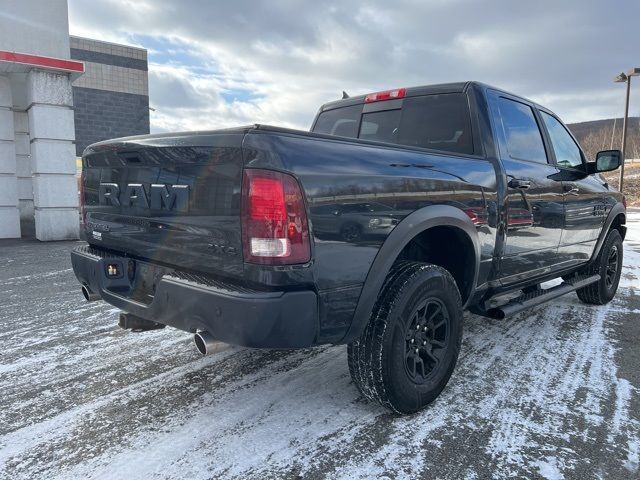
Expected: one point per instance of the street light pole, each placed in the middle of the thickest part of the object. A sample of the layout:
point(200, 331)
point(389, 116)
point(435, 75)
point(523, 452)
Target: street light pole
point(624, 132)
point(625, 77)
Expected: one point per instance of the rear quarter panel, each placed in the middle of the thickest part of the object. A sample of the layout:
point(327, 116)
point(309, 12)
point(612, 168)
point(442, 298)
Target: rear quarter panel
point(386, 183)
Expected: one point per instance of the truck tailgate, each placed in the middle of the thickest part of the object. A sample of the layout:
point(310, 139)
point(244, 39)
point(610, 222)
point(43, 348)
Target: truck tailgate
point(171, 199)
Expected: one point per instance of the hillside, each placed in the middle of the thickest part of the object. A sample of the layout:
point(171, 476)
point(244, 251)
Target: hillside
point(583, 129)
point(631, 182)
point(597, 135)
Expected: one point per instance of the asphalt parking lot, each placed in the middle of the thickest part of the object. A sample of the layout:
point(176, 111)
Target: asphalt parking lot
point(552, 393)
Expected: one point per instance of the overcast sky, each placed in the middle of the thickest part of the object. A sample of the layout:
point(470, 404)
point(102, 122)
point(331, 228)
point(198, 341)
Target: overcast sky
point(220, 64)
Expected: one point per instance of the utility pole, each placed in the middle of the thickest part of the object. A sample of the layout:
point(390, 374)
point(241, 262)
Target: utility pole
point(625, 78)
point(624, 131)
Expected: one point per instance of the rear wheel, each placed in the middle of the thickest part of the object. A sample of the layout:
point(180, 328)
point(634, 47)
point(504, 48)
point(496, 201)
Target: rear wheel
point(410, 346)
point(608, 265)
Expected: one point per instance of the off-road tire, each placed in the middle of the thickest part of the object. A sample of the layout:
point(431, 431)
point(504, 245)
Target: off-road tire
point(378, 359)
point(604, 289)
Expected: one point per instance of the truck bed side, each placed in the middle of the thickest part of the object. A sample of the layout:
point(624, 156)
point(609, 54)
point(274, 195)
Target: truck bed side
point(372, 187)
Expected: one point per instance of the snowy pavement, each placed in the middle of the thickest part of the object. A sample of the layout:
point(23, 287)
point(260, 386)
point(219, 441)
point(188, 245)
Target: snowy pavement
point(550, 393)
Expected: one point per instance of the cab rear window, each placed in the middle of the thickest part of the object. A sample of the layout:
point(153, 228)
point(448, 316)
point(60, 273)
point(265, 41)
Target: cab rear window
point(440, 122)
point(343, 122)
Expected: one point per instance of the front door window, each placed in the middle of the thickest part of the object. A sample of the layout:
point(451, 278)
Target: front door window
point(565, 148)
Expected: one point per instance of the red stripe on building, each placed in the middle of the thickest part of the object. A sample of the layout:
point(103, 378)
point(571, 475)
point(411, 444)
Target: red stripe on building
point(43, 62)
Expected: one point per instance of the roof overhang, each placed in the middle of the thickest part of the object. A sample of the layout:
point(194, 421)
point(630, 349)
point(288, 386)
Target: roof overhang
point(14, 62)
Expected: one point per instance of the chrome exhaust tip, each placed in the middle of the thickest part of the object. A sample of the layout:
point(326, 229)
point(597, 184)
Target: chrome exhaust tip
point(205, 343)
point(89, 295)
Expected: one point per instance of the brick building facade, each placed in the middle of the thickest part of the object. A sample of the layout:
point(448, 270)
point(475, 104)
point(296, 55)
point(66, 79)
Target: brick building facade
point(111, 99)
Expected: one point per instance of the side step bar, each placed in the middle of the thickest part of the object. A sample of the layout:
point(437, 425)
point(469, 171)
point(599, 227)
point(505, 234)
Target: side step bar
point(528, 300)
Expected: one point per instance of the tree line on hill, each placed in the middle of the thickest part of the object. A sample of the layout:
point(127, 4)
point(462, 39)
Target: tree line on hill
point(607, 134)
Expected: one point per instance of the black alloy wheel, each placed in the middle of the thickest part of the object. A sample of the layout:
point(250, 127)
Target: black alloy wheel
point(608, 264)
point(426, 339)
point(408, 350)
point(612, 267)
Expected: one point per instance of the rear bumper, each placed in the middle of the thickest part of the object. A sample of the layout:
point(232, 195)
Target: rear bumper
point(189, 302)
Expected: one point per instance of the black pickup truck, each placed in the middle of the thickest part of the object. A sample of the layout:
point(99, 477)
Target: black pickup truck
point(399, 210)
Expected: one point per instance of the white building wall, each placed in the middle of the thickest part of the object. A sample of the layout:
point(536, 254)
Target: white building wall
point(51, 128)
point(37, 155)
point(23, 164)
point(38, 27)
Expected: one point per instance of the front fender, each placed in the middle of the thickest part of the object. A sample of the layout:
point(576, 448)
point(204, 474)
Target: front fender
point(617, 209)
point(402, 234)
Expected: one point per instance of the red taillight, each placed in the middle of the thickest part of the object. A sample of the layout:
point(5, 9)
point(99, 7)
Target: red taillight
point(472, 215)
point(476, 216)
point(624, 201)
point(266, 199)
point(386, 95)
point(275, 229)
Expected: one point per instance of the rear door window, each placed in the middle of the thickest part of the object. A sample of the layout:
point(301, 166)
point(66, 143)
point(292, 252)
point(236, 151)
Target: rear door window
point(441, 122)
point(521, 131)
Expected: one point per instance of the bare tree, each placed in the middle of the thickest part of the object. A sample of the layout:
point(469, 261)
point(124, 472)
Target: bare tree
point(596, 141)
point(601, 139)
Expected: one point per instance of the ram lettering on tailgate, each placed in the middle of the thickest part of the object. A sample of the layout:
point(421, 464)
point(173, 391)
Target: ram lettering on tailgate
point(158, 196)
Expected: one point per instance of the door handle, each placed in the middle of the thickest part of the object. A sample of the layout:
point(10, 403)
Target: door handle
point(571, 188)
point(519, 183)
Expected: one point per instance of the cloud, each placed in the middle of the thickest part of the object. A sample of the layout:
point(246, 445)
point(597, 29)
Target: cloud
point(219, 64)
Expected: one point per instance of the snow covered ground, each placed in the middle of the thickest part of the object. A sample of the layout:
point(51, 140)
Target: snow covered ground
point(551, 393)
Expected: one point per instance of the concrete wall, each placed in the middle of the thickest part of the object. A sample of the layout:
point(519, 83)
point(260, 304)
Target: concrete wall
point(9, 214)
point(23, 152)
point(39, 27)
point(37, 184)
point(51, 130)
point(23, 165)
point(37, 114)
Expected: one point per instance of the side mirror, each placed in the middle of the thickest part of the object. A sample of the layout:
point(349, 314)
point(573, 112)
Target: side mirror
point(607, 160)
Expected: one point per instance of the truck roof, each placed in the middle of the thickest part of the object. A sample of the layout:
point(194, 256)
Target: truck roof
point(434, 89)
point(439, 88)
point(456, 87)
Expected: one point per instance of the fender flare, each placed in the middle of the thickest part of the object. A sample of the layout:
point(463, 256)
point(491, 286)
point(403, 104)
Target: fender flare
point(617, 209)
point(412, 225)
